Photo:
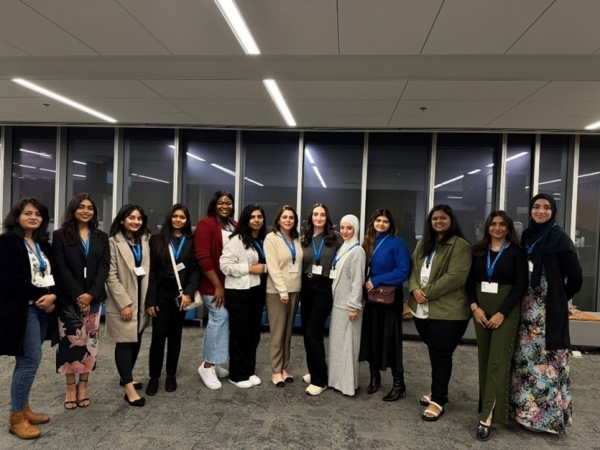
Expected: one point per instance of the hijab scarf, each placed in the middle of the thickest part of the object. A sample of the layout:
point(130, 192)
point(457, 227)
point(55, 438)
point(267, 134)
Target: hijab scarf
point(346, 246)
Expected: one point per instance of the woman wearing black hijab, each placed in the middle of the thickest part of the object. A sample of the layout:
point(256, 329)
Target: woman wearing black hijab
point(541, 384)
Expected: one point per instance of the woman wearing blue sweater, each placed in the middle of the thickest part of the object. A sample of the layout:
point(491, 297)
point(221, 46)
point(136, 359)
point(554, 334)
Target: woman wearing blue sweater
point(388, 264)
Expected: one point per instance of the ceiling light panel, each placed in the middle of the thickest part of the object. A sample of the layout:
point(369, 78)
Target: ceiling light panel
point(238, 25)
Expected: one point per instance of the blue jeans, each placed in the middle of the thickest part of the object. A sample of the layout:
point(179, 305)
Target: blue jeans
point(27, 365)
point(215, 348)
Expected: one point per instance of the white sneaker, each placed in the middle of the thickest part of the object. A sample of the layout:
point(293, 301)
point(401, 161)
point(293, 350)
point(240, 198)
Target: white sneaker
point(242, 384)
point(306, 378)
point(314, 390)
point(221, 372)
point(254, 380)
point(209, 377)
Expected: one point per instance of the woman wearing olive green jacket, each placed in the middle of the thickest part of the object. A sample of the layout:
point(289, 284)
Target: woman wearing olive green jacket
point(438, 302)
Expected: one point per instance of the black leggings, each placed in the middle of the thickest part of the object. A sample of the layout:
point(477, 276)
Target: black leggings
point(126, 354)
point(167, 327)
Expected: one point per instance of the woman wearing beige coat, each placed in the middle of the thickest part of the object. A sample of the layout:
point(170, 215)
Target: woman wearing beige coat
point(127, 284)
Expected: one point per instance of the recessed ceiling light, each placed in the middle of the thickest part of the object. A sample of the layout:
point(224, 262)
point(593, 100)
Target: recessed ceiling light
point(282, 106)
point(60, 98)
point(593, 126)
point(238, 25)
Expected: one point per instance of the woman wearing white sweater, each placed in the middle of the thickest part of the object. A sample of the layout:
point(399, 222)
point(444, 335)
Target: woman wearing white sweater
point(284, 259)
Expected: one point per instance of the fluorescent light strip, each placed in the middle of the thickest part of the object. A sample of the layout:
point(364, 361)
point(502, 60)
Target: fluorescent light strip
point(252, 181)
point(171, 146)
point(551, 181)
point(42, 154)
point(449, 181)
point(80, 162)
point(65, 100)
point(282, 106)
point(309, 156)
point(79, 176)
point(316, 169)
point(191, 155)
point(588, 174)
point(473, 171)
point(47, 170)
point(26, 167)
point(238, 25)
point(230, 172)
point(150, 178)
point(454, 198)
point(490, 165)
point(518, 155)
point(593, 126)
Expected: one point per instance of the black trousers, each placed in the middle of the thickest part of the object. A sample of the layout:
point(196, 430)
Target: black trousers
point(126, 354)
point(167, 327)
point(316, 301)
point(441, 337)
point(245, 308)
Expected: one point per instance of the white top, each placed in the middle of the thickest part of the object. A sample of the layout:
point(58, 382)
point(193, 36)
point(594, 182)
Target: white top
point(235, 264)
point(422, 311)
point(37, 279)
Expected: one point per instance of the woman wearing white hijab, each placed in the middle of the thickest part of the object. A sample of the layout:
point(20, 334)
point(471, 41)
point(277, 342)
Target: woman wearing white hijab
point(348, 273)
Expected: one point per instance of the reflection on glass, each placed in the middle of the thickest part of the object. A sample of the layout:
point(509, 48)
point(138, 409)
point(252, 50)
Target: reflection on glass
point(34, 166)
point(464, 178)
point(397, 180)
point(90, 155)
point(518, 178)
point(588, 221)
point(332, 173)
point(149, 176)
point(271, 170)
point(209, 167)
point(553, 171)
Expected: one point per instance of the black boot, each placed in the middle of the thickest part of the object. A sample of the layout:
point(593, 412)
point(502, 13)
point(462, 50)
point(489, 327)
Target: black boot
point(398, 390)
point(375, 382)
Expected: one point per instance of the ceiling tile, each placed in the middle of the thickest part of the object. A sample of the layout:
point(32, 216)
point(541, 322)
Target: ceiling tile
point(452, 108)
point(12, 89)
point(342, 108)
point(99, 88)
point(569, 91)
point(208, 89)
point(470, 90)
point(232, 112)
point(567, 27)
point(336, 121)
point(7, 49)
point(166, 118)
point(541, 123)
point(186, 27)
point(342, 90)
point(114, 105)
point(431, 121)
point(558, 109)
point(385, 27)
point(496, 25)
point(292, 27)
point(31, 32)
point(105, 26)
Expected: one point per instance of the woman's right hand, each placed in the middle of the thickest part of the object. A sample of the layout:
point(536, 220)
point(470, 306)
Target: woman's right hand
point(369, 286)
point(219, 297)
point(420, 296)
point(127, 314)
point(152, 310)
point(480, 317)
point(257, 269)
point(285, 300)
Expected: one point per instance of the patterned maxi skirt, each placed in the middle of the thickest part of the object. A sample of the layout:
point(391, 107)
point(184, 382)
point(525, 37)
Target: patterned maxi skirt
point(540, 382)
point(78, 344)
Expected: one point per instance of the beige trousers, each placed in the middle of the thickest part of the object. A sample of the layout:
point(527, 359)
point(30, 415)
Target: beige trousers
point(281, 323)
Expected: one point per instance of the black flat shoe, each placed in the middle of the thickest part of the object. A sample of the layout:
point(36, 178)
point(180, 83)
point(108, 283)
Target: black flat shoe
point(483, 432)
point(152, 388)
point(139, 402)
point(171, 384)
point(137, 385)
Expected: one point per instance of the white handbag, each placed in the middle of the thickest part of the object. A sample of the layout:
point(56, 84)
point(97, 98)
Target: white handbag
point(197, 300)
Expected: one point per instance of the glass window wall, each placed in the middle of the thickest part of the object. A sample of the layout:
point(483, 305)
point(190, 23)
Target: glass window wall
point(518, 178)
point(553, 171)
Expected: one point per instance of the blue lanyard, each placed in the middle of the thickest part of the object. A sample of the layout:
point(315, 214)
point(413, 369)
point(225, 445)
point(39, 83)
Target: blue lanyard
point(259, 247)
point(136, 249)
point(490, 266)
point(86, 244)
point(318, 252)
point(38, 255)
point(337, 258)
point(177, 252)
point(291, 246)
point(530, 249)
point(379, 245)
point(429, 258)
point(228, 225)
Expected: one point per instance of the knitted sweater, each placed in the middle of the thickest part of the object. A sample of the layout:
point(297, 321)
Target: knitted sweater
point(279, 257)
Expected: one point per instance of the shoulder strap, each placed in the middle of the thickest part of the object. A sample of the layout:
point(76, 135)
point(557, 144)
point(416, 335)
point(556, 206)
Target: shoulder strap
point(175, 269)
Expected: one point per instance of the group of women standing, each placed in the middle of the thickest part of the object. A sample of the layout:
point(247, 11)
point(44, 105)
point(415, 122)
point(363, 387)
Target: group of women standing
point(515, 289)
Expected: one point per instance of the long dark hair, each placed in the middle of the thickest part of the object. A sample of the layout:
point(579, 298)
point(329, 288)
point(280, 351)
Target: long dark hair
point(126, 210)
point(430, 237)
point(166, 231)
point(211, 210)
point(371, 234)
point(328, 232)
point(481, 247)
point(276, 228)
point(243, 227)
point(11, 221)
point(69, 225)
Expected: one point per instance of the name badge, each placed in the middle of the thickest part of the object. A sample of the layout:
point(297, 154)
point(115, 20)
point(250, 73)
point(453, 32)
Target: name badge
point(85, 272)
point(139, 271)
point(180, 267)
point(490, 288)
point(293, 268)
point(317, 270)
point(425, 272)
point(332, 274)
point(49, 280)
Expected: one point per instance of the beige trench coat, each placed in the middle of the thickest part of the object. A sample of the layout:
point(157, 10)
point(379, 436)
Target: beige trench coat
point(122, 290)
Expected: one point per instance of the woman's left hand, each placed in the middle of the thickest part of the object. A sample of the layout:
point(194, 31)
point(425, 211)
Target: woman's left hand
point(185, 302)
point(369, 285)
point(496, 320)
point(84, 300)
point(352, 315)
point(46, 302)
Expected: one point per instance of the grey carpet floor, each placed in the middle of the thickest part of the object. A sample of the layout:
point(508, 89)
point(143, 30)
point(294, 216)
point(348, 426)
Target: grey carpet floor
point(266, 417)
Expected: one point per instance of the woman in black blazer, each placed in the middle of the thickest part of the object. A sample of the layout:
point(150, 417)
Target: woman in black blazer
point(27, 295)
point(82, 260)
point(164, 302)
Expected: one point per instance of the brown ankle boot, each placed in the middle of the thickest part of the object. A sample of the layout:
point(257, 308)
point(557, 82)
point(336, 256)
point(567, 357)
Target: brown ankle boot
point(20, 426)
point(35, 418)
